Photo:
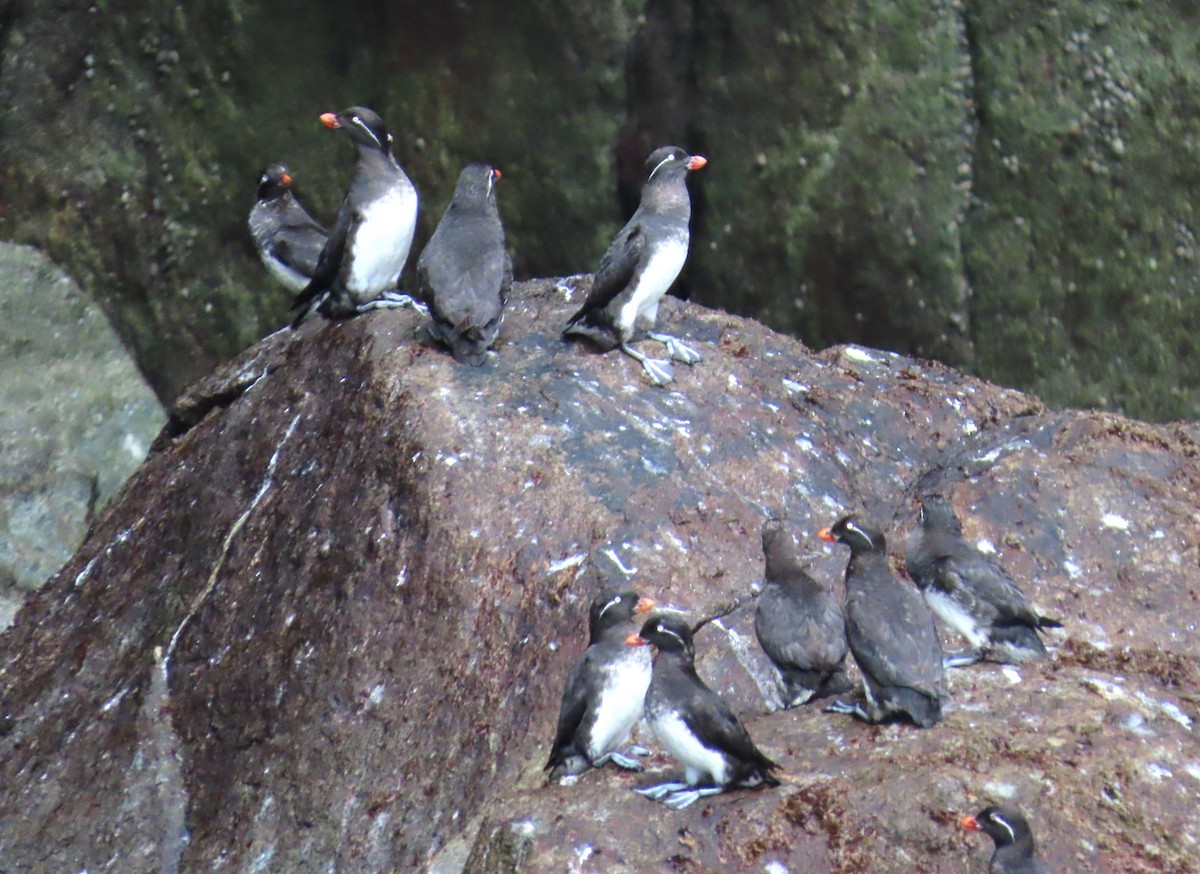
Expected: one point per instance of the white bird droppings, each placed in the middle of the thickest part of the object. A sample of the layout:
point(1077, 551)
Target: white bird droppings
point(1112, 520)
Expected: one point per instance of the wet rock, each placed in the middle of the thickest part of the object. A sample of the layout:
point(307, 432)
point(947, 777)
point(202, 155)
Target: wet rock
point(327, 623)
point(78, 419)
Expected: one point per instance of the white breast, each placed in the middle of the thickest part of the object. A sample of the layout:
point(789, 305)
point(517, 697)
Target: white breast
point(954, 616)
point(698, 760)
point(381, 244)
point(622, 699)
point(656, 278)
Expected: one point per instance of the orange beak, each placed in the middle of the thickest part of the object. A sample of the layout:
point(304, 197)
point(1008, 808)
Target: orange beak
point(644, 605)
point(496, 172)
point(827, 535)
point(970, 822)
point(696, 162)
point(330, 120)
point(636, 639)
point(286, 178)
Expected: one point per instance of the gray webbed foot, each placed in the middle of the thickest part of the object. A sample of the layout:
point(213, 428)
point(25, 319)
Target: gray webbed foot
point(658, 369)
point(391, 300)
point(685, 797)
point(854, 710)
point(621, 761)
point(677, 349)
point(960, 659)
point(660, 791)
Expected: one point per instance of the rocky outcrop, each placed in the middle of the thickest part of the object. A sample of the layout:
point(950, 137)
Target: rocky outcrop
point(327, 623)
point(78, 419)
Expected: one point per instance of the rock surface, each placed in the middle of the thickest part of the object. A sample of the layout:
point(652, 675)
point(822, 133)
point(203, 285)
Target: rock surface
point(78, 419)
point(326, 625)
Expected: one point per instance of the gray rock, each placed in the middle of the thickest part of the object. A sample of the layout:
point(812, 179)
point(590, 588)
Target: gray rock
point(78, 419)
point(327, 623)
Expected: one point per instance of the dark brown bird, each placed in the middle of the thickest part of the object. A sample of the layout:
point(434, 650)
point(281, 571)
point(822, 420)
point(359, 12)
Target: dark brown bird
point(890, 632)
point(799, 623)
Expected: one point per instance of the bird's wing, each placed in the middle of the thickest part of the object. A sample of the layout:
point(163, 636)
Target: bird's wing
point(988, 583)
point(617, 269)
point(709, 718)
point(573, 707)
point(814, 633)
point(466, 289)
point(301, 248)
point(899, 628)
point(330, 260)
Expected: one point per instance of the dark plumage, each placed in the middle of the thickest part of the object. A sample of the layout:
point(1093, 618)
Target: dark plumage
point(971, 593)
point(799, 623)
point(890, 632)
point(605, 691)
point(1015, 852)
point(464, 274)
point(289, 240)
point(362, 260)
point(693, 724)
point(640, 265)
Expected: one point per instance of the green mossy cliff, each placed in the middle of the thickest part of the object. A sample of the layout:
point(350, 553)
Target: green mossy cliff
point(1007, 187)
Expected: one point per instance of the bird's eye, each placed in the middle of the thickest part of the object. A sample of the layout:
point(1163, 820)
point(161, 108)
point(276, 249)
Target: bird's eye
point(356, 119)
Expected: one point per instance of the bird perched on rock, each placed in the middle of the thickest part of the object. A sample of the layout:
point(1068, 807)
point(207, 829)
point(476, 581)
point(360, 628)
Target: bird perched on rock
point(640, 265)
point(1015, 852)
point(289, 240)
point(799, 623)
point(890, 632)
point(971, 593)
point(692, 722)
point(369, 242)
point(464, 273)
point(605, 692)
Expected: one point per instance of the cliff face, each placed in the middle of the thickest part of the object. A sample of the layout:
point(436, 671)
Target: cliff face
point(326, 625)
point(1007, 187)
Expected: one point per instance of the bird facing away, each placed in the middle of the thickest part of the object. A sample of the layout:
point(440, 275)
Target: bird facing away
point(890, 632)
point(362, 260)
point(799, 623)
point(693, 723)
point(1015, 852)
point(971, 593)
point(464, 273)
point(605, 692)
point(640, 265)
point(289, 240)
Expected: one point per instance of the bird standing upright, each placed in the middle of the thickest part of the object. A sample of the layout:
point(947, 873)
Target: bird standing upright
point(971, 593)
point(289, 240)
point(693, 723)
point(605, 692)
point(1015, 852)
point(464, 273)
point(640, 265)
point(369, 242)
point(799, 623)
point(890, 632)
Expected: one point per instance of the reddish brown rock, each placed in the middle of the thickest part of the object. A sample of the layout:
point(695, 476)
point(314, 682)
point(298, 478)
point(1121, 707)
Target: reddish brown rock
point(326, 625)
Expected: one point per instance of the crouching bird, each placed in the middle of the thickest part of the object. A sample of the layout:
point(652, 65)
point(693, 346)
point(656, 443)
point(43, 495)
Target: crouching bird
point(1015, 852)
point(693, 723)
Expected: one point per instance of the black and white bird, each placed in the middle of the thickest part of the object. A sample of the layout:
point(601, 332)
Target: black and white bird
point(890, 632)
point(464, 273)
point(360, 266)
point(640, 265)
point(693, 724)
point(972, 593)
point(289, 240)
point(1015, 852)
point(799, 623)
point(605, 692)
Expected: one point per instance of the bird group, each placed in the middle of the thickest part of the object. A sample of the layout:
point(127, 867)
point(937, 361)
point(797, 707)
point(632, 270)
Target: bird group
point(806, 631)
point(464, 273)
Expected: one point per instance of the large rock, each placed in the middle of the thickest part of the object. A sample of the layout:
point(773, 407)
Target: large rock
point(327, 623)
point(78, 419)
